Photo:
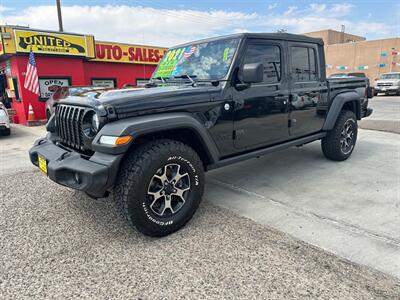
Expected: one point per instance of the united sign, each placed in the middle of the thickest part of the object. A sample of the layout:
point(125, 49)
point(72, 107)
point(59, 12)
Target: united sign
point(50, 43)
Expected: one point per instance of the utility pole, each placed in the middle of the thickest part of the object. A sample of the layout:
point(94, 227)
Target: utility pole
point(60, 23)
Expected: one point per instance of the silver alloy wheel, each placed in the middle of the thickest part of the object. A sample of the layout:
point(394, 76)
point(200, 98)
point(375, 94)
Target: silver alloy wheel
point(347, 137)
point(168, 190)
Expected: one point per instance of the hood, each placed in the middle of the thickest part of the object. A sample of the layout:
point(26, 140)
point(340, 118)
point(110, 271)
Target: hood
point(142, 99)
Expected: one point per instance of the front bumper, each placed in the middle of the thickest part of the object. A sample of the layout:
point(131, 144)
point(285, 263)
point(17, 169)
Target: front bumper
point(95, 175)
point(387, 89)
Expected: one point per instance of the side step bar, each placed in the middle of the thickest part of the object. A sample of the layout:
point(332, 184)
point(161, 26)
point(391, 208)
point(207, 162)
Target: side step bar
point(261, 152)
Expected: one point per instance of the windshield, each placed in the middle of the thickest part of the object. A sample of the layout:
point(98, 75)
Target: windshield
point(209, 60)
point(390, 76)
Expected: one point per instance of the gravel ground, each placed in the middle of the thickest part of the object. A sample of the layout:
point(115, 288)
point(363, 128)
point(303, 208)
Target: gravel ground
point(56, 243)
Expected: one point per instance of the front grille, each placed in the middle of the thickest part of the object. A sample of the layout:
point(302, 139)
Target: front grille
point(385, 84)
point(69, 125)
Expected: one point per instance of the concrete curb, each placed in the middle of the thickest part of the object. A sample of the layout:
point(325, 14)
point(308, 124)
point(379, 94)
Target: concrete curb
point(381, 125)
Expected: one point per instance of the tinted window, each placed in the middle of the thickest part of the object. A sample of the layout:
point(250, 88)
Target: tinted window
point(269, 56)
point(304, 64)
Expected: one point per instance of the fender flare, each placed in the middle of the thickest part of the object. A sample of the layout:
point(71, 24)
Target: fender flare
point(337, 105)
point(143, 125)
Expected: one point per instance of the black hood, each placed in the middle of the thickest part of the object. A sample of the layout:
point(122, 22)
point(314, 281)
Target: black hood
point(126, 101)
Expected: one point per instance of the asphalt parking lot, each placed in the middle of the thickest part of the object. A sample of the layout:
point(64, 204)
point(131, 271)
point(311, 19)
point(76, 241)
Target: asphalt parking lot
point(297, 227)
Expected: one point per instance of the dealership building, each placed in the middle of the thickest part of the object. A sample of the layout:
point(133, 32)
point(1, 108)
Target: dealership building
point(65, 59)
point(351, 53)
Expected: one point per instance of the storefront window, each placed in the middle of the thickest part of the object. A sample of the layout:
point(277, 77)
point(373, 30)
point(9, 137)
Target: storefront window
point(104, 82)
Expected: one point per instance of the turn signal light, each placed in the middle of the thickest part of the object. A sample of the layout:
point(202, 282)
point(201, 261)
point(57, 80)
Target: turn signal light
point(115, 140)
point(123, 140)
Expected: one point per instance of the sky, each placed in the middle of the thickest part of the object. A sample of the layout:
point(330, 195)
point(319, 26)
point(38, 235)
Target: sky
point(167, 23)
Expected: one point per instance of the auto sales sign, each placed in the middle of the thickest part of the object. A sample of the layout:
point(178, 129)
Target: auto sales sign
point(50, 43)
point(124, 53)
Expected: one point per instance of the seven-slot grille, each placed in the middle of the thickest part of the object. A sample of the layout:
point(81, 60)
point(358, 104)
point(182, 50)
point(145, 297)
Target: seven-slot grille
point(69, 125)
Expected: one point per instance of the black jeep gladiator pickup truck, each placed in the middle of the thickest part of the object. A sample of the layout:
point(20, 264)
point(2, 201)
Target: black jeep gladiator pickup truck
point(209, 104)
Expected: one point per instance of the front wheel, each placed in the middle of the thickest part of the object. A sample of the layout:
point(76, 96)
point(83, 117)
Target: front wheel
point(159, 186)
point(339, 142)
point(7, 132)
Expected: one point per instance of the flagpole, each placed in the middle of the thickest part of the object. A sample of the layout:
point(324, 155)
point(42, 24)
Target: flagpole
point(60, 23)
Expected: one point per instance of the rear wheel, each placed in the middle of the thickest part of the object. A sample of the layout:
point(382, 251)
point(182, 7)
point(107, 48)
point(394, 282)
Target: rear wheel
point(339, 142)
point(159, 187)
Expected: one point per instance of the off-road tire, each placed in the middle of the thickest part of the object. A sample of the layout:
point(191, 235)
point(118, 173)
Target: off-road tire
point(330, 144)
point(137, 171)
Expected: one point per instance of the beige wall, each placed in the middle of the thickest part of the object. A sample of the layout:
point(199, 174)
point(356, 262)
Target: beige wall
point(367, 53)
point(331, 37)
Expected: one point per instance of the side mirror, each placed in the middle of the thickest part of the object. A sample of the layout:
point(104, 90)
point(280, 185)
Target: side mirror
point(253, 73)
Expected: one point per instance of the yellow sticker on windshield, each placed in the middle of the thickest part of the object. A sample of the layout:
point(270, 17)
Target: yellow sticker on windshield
point(172, 59)
point(226, 53)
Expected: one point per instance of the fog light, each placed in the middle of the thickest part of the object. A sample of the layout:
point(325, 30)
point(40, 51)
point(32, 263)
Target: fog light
point(77, 178)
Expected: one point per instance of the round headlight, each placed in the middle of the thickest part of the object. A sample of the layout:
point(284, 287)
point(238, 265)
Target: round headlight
point(95, 122)
point(90, 123)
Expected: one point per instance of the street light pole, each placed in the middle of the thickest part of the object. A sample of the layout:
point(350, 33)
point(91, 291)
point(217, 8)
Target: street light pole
point(60, 23)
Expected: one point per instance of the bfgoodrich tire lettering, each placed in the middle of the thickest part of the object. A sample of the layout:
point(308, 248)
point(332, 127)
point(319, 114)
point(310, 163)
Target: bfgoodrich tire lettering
point(146, 179)
point(339, 142)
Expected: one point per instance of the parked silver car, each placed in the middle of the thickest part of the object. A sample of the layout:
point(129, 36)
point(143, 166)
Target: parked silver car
point(388, 83)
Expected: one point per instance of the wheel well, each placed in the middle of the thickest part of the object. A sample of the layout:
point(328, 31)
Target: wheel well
point(184, 135)
point(352, 106)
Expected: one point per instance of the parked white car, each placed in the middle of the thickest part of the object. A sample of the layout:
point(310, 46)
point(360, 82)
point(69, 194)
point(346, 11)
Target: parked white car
point(4, 121)
point(388, 83)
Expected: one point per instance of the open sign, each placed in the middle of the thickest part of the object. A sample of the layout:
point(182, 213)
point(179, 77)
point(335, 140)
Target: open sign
point(48, 86)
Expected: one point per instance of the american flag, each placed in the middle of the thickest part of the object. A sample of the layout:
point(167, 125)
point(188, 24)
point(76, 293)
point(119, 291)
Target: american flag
point(31, 78)
point(189, 52)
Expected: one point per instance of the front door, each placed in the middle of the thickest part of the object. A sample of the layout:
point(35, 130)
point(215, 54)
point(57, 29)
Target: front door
point(261, 111)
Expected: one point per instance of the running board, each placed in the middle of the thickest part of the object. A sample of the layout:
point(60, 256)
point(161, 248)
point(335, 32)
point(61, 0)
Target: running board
point(261, 152)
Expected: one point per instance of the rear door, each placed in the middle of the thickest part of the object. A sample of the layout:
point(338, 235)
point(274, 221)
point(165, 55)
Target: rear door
point(261, 111)
point(307, 89)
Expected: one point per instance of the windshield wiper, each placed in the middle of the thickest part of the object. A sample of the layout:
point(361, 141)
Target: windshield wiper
point(160, 78)
point(151, 83)
point(190, 77)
